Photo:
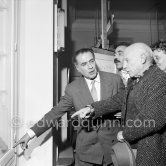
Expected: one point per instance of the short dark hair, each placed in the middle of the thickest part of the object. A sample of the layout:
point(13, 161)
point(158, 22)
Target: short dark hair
point(81, 51)
point(159, 45)
point(121, 44)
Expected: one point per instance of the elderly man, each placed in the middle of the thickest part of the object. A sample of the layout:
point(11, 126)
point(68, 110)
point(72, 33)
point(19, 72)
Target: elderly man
point(119, 59)
point(93, 145)
point(143, 105)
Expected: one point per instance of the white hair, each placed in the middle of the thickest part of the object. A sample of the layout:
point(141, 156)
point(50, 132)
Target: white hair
point(142, 48)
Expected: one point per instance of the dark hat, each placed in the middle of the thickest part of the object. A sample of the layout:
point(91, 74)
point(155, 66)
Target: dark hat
point(123, 155)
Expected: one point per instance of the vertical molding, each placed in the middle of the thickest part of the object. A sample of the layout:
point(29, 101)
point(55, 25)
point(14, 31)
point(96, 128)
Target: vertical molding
point(104, 23)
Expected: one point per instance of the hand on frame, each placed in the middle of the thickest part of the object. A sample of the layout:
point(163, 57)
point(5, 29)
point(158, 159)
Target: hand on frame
point(23, 142)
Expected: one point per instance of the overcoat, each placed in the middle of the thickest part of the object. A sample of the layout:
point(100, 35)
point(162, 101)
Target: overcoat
point(143, 105)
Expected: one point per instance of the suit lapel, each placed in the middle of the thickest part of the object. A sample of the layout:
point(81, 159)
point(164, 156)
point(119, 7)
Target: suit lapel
point(106, 87)
point(84, 90)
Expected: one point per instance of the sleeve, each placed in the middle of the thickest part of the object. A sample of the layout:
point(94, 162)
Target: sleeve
point(31, 133)
point(111, 104)
point(152, 116)
point(50, 119)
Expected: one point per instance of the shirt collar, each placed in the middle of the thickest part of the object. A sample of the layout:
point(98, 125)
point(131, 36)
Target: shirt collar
point(97, 79)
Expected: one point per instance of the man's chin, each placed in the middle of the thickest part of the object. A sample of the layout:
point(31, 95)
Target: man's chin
point(93, 76)
point(119, 67)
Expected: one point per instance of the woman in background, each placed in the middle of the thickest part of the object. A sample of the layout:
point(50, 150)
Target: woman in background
point(159, 54)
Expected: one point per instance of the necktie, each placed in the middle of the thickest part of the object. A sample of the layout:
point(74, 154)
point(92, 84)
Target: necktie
point(94, 91)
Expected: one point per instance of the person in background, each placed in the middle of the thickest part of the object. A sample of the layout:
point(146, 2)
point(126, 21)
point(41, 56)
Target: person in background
point(159, 54)
point(119, 59)
point(143, 105)
point(94, 142)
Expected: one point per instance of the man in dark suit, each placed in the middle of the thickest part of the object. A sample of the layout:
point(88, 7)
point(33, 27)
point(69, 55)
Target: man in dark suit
point(93, 144)
point(143, 105)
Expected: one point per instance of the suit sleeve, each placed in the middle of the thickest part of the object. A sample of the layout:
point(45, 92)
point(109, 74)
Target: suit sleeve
point(111, 104)
point(152, 116)
point(50, 119)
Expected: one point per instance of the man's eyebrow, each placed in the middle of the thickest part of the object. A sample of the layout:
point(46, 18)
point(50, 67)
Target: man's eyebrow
point(118, 51)
point(83, 63)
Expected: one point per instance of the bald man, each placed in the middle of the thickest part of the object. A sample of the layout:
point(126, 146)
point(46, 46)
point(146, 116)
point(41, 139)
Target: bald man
point(143, 105)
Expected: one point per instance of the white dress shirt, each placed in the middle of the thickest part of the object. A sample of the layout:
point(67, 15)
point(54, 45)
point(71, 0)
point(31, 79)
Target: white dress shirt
point(97, 85)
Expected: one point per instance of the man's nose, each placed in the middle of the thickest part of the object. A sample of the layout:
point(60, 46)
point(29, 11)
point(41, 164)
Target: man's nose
point(90, 65)
point(116, 55)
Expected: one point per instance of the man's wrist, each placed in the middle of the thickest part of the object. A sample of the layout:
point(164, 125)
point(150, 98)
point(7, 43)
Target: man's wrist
point(120, 136)
point(92, 111)
point(31, 133)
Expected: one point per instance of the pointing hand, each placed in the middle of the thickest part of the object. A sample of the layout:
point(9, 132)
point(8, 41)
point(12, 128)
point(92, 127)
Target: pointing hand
point(23, 142)
point(82, 113)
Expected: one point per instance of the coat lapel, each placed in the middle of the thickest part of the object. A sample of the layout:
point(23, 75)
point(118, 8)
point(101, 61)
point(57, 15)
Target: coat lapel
point(84, 90)
point(106, 87)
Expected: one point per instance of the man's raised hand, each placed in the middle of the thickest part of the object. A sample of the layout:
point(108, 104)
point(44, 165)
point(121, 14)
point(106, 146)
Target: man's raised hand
point(23, 142)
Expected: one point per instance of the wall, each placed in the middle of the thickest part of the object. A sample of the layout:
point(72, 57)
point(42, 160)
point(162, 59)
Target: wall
point(131, 30)
point(35, 76)
point(132, 24)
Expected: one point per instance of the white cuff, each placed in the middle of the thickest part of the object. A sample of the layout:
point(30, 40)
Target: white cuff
point(31, 133)
point(120, 136)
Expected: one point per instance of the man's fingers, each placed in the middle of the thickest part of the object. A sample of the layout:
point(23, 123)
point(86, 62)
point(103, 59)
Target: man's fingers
point(17, 143)
point(24, 146)
point(86, 117)
point(75, 114)
point(83, 113)
point(23, 141)
point(118, 115)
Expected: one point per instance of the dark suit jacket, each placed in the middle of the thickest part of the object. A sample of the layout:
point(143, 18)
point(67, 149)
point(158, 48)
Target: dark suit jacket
point(144, 113)
point(77, 95)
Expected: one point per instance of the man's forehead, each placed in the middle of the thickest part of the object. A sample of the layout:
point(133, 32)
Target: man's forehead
point(120, 49)
point(84, 57)
point(132, 54)
point(128, 53)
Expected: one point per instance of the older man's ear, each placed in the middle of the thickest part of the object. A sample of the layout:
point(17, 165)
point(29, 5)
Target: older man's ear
point(143, 58)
